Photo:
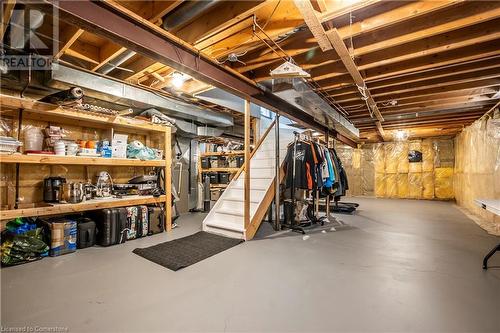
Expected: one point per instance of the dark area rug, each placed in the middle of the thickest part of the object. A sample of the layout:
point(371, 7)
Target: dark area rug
point(183, 252)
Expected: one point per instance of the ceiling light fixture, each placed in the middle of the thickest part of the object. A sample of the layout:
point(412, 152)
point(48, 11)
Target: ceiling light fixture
point(400, 135)
point(178, 79)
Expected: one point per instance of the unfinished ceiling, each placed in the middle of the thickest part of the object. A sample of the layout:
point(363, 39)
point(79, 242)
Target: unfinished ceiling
point(430, 67)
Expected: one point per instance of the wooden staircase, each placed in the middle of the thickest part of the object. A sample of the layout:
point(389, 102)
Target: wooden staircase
point(227, 216)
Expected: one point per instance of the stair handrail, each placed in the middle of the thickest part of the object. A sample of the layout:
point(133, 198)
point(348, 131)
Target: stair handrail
point(259, 143)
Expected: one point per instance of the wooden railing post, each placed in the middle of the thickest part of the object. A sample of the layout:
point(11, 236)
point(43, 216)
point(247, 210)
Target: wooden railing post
point(247, 165)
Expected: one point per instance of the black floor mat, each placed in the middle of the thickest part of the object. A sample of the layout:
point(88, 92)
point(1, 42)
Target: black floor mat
point(186, 251)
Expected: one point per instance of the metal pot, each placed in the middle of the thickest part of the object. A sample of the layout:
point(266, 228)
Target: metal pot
point(73, 193)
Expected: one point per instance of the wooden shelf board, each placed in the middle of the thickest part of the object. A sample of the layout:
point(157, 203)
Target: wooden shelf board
point(77, 160)
point(220, 170)
point(81, 207)
point(85, 119)
point(229, 153)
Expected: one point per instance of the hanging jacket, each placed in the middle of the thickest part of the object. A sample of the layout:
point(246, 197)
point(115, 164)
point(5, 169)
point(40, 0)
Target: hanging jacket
point(331, 173)
point(304, 166)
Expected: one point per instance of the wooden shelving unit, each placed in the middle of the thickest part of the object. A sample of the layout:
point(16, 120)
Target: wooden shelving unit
point(67, 208)
point(67, 115)
point(78, 160)
point(52, 113)
point(228, 153)
point(230, 170)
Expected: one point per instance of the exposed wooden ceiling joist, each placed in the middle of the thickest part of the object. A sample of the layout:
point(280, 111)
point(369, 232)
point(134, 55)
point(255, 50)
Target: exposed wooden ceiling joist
point(295, 45)
point(7, 9)
point(331, 39)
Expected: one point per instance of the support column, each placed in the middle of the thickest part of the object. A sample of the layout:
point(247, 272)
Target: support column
point(277, 176)
point(246, 214)
point(168, 179)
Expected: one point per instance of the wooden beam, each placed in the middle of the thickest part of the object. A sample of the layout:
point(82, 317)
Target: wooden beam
point(427, 91)
point(153, 11)
point(464, 54)
point(108, 52)
point(333, 40)
point(210, 24)
point(319, 6)
point(161, 8)
point(442, 74)
point(380, 130)
point(341, 49)
point(411, 99)
point(445, 106)
point(454, 69)
point(84, 51)
point(467, 16)
point(67, 37)
point(279, 17)
point(470, 36)
point(478, 34)
point(313, 23)
point(218, 20)
point(493, 73)
point(298, 44)
point(246, 214)
point(438, 102)
point(7, 9)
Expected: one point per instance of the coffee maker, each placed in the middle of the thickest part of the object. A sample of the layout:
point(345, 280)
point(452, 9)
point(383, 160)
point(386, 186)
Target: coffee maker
point(53, 189)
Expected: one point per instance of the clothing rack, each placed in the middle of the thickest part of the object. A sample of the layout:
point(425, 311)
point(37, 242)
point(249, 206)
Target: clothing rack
point(292, 225)
point(313, 194)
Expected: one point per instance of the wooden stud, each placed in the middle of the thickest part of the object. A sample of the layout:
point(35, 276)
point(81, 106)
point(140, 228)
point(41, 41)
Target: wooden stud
point(298, 43)
point(8, 8)
point(84, 51)
point(246, 214)
point(68, 37)
point(319, 5)
point(314, 24)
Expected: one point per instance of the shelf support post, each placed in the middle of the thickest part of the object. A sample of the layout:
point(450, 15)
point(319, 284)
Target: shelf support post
point(168, 179)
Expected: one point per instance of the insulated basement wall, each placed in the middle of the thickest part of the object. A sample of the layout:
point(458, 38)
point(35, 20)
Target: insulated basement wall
point(383, 170)
point(477, 170)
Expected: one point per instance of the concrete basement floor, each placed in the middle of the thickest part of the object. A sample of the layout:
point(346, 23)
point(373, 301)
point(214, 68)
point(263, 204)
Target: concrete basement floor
point(401, 265)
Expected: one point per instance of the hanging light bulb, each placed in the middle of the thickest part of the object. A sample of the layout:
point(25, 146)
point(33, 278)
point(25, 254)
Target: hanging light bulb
point(178, 79)
point(400, 135)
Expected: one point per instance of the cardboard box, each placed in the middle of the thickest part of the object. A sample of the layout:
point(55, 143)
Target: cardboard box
point(119, 145)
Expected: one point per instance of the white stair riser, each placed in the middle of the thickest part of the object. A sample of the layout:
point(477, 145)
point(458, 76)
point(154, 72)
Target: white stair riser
point(255, 183)
point(238, 195)
point(235, 206)
point(223, 232)
point(228, 220)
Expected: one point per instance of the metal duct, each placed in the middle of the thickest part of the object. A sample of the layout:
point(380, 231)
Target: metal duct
point(186, 12)
point(298, 93)
point(209, 131)
point(186, 129)
point(116, 62)
point(228, 100)
point(95, 86)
